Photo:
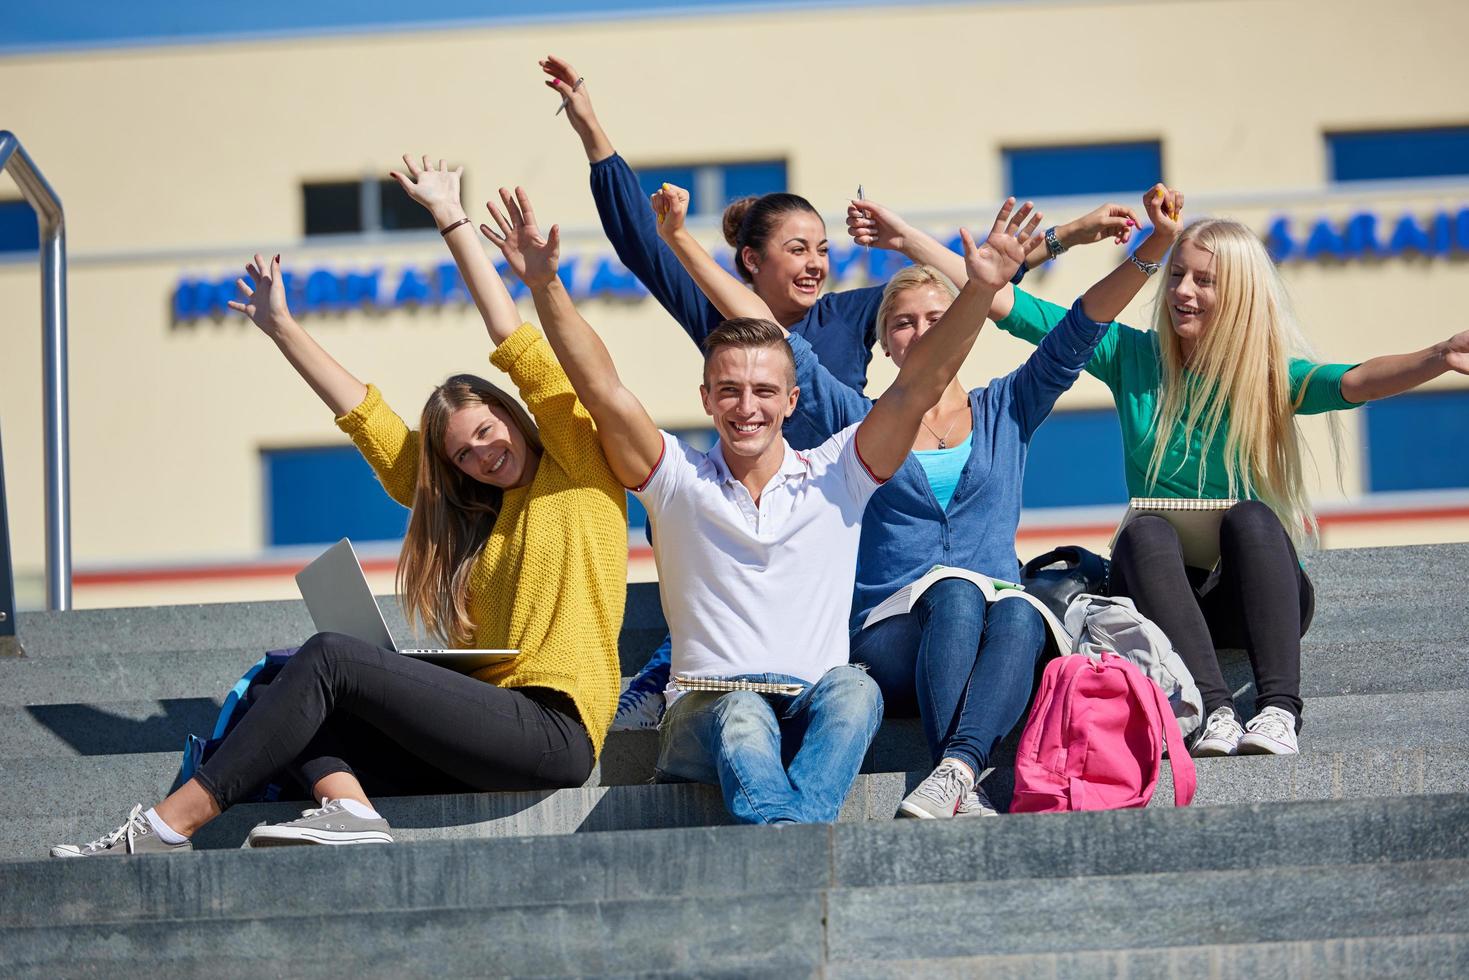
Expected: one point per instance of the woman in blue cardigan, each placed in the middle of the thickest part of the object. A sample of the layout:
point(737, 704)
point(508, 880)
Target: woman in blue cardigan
point(967, 666)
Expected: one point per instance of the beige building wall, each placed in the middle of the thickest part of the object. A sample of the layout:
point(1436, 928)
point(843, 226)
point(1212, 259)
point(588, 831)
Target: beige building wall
point(179, 161)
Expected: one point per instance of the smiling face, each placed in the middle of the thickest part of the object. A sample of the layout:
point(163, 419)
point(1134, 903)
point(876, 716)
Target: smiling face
point(1191, 295)
point(789, 271)
point(483, 443)
point(909, 316)
point(749, 392)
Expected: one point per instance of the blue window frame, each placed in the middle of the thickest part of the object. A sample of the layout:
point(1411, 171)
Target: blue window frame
point(1075, 460)
point(1408, 439)
point(713, 185)
point(1082, 168)
point(1394, 154)
point(320, 494)
point(19, 229)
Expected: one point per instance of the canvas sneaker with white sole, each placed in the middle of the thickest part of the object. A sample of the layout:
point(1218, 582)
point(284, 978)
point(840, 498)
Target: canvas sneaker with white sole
point(976, 804)
point(1271, 732)
point(1221, 734)
point(330, 823)
point(940, 793)
point(134, 837)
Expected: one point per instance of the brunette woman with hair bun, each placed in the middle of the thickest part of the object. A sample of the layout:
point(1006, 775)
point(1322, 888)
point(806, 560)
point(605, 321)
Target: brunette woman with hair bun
point(780, 248)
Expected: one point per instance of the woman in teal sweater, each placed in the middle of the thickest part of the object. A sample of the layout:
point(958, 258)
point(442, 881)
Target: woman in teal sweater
point(1223, 373)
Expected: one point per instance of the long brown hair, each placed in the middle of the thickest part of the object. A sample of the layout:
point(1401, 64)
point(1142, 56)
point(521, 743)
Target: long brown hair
point(452, 515)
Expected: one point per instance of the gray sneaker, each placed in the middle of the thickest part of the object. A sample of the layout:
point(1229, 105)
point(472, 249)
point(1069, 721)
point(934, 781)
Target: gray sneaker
point(940, 794)
point(976, 804)
point(134, 837)
point(331, 823)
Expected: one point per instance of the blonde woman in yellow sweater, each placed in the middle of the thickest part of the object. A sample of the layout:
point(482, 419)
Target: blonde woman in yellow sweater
point(517, 539)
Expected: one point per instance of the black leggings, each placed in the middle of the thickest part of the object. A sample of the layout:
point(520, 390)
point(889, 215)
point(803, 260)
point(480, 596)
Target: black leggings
point(1257, 598)
point(409, 728)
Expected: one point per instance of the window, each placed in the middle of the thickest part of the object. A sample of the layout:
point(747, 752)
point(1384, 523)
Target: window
point(1408, 439)
point(19, 229)
point(711, 186)
point(1090, 168)
point(1394, 154)
point(320, 494)
point(352, 206)
point(1075, 460)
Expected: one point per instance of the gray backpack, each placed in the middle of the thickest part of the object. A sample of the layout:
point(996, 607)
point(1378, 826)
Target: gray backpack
point(1113, 623)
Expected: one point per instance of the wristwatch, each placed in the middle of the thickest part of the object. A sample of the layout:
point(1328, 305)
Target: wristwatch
point(1148, 268)
point(1053, 244)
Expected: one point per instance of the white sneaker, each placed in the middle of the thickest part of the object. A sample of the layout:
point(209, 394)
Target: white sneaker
point(1271, 732)
point(1221, 733)
point(976, 804)
point(939, 795)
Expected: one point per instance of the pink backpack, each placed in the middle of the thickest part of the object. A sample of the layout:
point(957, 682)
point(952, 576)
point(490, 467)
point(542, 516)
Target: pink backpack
point(1094, 740)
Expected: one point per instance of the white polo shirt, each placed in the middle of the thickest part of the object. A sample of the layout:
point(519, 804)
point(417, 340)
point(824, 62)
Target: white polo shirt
point(758, 588)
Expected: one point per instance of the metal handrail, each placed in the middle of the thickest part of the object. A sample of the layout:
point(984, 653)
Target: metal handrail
point(47, 204)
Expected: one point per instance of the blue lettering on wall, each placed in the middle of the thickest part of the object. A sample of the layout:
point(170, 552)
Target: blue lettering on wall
point(1358, 236)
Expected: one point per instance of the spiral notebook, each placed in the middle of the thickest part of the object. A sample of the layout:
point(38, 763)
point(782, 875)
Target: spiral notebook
point(1196, 521)
point(683, 682)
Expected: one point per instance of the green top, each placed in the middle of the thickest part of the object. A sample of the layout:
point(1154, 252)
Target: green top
point(1127, 360)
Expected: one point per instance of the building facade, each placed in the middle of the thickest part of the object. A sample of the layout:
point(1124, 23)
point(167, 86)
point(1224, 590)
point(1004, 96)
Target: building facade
point(203, 468)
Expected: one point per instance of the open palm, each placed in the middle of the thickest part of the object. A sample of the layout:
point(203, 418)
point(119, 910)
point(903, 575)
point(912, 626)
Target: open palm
point(263, 295)
point(532, 257)
point(1010, 241)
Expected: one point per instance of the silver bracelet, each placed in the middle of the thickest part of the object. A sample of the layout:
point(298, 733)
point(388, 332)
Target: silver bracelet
point(1148, 268)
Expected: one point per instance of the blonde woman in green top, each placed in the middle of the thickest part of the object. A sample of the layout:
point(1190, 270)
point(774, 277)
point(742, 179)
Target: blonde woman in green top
point(1208, 400)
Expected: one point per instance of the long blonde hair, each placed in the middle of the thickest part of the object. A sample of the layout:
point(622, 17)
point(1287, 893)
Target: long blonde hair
point(452, 515)
point(1240, 368)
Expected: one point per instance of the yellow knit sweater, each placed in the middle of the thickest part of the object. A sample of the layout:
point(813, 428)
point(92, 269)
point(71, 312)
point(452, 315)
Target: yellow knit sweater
point(552, 578)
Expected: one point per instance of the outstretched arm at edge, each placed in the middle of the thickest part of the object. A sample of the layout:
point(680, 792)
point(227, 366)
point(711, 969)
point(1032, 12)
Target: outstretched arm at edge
point(1392, 374)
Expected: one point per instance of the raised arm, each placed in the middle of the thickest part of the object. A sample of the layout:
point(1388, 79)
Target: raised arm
point(437, 189)
point(1106, 300)
point(886, 435)
point(730, 297)
point(873, 225)
point(576, 102)
point(1392, 374)
point(630, 440)
point(264, 303)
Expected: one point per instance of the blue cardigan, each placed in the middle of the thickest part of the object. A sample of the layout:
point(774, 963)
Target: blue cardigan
point(904, 531)
point(841, 327)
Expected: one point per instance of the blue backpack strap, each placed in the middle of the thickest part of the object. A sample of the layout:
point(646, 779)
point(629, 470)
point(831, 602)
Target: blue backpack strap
point(232, 699)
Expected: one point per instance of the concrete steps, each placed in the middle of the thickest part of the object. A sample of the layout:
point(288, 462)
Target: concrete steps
point(925, 897)
point(1351, 859)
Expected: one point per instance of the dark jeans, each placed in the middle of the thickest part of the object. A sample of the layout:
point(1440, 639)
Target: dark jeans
point(967, 666)
point(1257, 598)
point(408, 727)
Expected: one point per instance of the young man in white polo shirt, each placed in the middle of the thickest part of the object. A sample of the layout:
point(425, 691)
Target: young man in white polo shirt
point(757, 544)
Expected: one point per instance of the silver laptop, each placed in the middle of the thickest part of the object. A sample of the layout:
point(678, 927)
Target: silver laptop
point(340, 601)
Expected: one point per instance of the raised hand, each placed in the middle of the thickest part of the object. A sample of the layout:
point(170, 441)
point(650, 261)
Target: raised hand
point(871, 224)
point(1165, 209)
point(436, 188)
point(1010, 241)
point(565, 82)
point(532, 257)
point(1112, 221)
point(671, 205)
point(265, 301)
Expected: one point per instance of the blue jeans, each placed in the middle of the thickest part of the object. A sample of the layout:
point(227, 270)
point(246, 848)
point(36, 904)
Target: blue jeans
point(967, 666)
point(777, 759)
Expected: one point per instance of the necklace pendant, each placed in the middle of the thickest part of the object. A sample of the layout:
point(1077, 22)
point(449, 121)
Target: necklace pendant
point(943, 445)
